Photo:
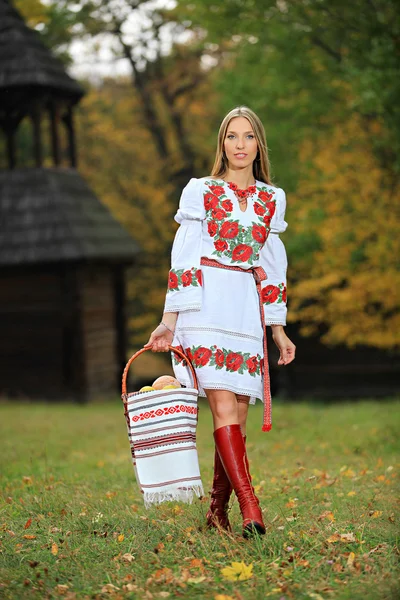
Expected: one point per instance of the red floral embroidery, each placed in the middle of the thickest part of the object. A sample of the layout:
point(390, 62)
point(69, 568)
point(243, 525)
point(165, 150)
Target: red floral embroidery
point(270, 294)
point(259, 233)
point(218, 190)
point(274, 293)
point(271, 207)
point(219, 358)
point(252, 364)
point(229, 229)
point(173, 281)
point(199, 276)
point(210, 201)
point(258, 209)
point(177, 358)
point(221, 245)
point(201, 357)
point(227, 205)
point(238, 243)
point(265, 196)
point(218, 214)
point(234, 361)
point(242, 253)
point(267, 220)
point(212, 228)
point(186, 278)
point(178, 277)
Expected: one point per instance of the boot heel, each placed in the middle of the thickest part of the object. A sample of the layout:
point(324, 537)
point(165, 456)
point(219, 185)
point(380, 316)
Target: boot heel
point(253, 528)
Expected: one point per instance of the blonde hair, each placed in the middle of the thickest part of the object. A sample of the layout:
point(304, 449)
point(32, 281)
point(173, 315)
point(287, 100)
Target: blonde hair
point(261, 166)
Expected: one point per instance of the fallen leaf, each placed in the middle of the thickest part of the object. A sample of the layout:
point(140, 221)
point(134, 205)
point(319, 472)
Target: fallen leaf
point(327, 514)
point(129, 587)
point(54, 549)
point(352, 493)
point(28, 524)
point(238, 571)
point(61, 589)
point(159, 548)
point(110, 495)
point(196, 579)
point(127, 557)
point(109, 588)
point(375, 513)
point(163, 594)
point(121, 537)
point(222, 597)
point(350, 560)
point(315, 596)
point(347, 537)
point(29, 537)
point(27, 480)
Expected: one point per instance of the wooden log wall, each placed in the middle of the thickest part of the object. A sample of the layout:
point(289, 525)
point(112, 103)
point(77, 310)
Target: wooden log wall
point(31, 341)
point(99, 330)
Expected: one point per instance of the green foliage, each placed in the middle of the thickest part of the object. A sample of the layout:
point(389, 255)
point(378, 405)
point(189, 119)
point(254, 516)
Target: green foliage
point(73, 524)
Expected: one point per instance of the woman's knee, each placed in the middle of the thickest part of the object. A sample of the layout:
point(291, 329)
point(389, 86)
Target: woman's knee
point(223, 404)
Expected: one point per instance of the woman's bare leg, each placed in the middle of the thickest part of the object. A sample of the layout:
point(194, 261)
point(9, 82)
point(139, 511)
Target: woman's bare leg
point(224, 407)
point(243, 409)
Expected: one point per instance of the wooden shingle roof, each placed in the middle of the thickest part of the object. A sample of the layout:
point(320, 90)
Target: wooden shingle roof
point(25, 60)
point(52, 215)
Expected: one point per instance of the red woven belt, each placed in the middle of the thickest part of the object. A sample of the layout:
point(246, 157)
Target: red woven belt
point(259, 275)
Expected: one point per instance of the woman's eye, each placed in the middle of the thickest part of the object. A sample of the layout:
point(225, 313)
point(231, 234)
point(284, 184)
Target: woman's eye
point(251, 136)
point(230, 136)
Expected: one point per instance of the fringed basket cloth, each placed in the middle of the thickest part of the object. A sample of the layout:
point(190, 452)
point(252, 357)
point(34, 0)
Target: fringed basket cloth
point(162, 435)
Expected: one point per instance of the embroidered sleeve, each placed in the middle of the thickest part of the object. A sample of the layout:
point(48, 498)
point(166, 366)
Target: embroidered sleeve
point(273, 259)
point(185, 278)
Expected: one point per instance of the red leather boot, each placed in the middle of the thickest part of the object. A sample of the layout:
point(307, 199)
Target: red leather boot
point(232, 451)
point(220, 494)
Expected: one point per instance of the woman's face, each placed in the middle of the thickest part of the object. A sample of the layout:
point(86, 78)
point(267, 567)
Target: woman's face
point(240, 143)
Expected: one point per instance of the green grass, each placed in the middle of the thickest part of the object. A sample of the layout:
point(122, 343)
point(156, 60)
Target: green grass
point(322, 470)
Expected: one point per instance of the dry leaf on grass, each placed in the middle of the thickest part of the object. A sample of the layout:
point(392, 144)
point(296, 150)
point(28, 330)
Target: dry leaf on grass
point(28, 524)
point(121, 537)
point(61, 589)
point(29, 537)
point(54, 549)
point(350, 560)
point(238, 571)
point(327, 514)
point(128, 558)
point(341, 537)
point(109, 588)
point(222, 597)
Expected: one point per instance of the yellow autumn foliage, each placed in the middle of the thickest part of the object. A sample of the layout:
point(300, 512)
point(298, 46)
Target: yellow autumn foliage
point(347, 210)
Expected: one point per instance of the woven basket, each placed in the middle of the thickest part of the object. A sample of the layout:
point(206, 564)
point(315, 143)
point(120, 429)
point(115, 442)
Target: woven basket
point(162, 435)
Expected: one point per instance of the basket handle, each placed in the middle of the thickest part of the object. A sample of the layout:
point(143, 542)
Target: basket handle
point(173, 349)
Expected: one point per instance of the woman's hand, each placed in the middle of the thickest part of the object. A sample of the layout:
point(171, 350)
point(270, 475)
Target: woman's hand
point(285, 346)
point(160, 339)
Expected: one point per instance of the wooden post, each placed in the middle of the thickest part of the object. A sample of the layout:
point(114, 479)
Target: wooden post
point(37, 135)
point(120, 319)
point(74, 360)
point(55, 139)
point(69, 123)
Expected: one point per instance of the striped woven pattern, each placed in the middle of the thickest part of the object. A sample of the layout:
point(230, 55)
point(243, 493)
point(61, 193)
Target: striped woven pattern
point(162, 435)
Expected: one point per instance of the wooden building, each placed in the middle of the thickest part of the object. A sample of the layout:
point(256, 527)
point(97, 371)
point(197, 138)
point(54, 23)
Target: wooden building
point(63, 257)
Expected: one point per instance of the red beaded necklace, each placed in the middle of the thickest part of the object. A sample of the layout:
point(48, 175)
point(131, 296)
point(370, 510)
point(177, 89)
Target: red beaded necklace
point(242, 195)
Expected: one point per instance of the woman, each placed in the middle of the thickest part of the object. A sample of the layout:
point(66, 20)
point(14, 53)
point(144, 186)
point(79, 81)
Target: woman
point(227, 281)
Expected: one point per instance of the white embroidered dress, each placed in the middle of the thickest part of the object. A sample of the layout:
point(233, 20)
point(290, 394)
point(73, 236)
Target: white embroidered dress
point(219, 323)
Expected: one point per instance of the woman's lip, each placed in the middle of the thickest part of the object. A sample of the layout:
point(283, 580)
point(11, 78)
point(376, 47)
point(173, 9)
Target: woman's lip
point(240, 155)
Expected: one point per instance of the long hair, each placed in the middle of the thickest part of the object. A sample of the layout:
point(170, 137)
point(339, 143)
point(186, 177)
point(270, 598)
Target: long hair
point(261, 165)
